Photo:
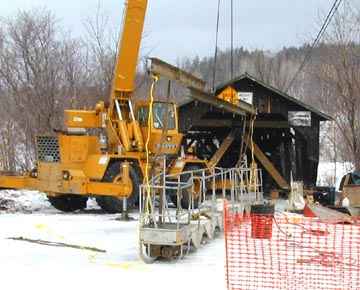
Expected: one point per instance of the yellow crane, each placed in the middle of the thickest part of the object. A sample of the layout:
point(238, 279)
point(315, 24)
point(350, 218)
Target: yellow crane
point(111, 165)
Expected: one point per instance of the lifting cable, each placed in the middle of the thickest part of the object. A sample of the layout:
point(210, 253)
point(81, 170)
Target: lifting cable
point(232, 41)
point(243, 146)
point(307, 57)
point(165, 127)
point(217, 43)
point(216, 46)
point(253, 167)
point(252, 122)
point(148, 205)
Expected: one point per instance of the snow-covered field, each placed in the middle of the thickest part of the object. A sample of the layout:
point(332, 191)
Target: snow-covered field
point(31, 266)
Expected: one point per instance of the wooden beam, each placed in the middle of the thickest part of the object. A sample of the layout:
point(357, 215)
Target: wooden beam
point(269, 167)
point(230, 123)
point(272, 124)
point(222, 149)
point(214, 123)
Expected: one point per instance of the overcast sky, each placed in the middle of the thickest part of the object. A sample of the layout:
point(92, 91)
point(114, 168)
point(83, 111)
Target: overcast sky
point(178, 28)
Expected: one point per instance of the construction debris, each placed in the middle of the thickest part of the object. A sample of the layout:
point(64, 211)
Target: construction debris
point(326, 214)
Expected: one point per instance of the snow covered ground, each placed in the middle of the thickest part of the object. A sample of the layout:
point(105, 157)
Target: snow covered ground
point(30, 266)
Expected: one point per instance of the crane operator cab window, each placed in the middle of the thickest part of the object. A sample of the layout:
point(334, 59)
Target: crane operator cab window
point(162, 113)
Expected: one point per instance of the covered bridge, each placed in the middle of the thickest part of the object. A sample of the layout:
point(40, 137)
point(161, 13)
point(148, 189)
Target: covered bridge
point(286, 131)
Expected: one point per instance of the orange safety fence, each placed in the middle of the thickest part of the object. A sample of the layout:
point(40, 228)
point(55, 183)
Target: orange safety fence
point(290, 252)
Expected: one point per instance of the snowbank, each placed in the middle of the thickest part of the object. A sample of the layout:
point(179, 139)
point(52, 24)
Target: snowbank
point(24, 201)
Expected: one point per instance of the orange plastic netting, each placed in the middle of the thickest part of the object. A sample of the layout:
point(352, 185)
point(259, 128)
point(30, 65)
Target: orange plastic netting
point(290, 252)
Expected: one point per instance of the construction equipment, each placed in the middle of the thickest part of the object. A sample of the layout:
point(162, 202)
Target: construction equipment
point(111, 163)
point(171, 233)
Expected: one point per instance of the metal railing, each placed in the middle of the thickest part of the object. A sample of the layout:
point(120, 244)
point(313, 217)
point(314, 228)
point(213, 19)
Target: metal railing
point(242, 186)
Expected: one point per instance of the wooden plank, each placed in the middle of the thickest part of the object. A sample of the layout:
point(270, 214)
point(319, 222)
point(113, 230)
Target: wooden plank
point(208, 122)
point(222, 150)
point(270, 168)
point(215, 123)
point(272, 124)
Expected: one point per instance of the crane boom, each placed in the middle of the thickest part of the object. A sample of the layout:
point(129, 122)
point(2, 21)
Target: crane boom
point(128, 49)
point(121, 111)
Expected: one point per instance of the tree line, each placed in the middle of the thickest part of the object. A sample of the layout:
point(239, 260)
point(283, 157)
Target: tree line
point(44, 70)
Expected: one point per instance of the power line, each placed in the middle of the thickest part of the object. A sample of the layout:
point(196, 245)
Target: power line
point(325, 25)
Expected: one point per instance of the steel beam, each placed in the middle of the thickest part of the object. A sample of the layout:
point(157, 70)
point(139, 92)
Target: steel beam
point(161, 68)
point(196, 87)
point(241, 109)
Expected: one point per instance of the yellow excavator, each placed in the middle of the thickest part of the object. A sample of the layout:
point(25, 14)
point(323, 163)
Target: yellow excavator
point(111, 163)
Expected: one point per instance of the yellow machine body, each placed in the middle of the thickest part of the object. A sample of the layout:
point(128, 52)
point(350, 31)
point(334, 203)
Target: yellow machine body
point(76, 162)
point(80, 171)
point(164, 139)
point(83, 119)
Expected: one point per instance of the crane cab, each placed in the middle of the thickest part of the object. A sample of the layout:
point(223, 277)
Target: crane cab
point(161, 126)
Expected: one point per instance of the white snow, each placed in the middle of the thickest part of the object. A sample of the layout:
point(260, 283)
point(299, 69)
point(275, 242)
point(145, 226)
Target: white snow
point(25, 201)
point(31, 266)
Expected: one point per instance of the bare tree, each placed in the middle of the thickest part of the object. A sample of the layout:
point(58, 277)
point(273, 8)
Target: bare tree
point(43, 70)
point(37, 71)
point(275, 69)
point(101, 42)
point(339, 76)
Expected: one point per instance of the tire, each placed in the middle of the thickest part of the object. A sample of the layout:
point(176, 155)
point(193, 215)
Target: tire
point(112, 204)
point(186, 193)
point(68, 203)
